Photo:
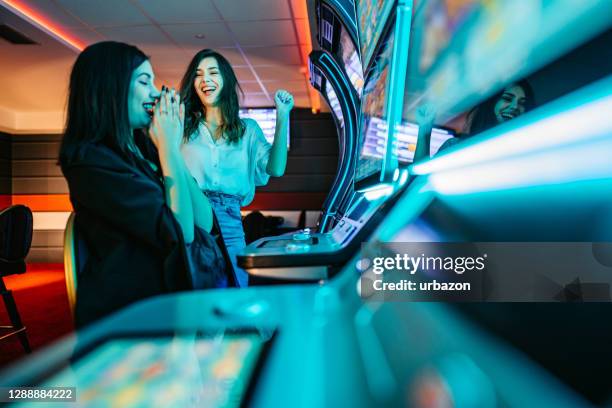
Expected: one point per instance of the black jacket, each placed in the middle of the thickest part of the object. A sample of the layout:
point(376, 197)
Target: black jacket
point(135, 247)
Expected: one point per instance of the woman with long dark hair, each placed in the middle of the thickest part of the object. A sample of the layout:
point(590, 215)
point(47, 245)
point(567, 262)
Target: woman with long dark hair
point(228, 156)
point(514, 100)
point(140, 216)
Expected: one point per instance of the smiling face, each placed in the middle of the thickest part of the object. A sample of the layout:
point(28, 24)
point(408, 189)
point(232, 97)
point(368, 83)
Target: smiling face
point(208, 82)
point(142, 96)
point(511, 104)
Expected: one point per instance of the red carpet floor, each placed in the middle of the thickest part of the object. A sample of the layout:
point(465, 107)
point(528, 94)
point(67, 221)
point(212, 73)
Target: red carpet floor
point(41, 298)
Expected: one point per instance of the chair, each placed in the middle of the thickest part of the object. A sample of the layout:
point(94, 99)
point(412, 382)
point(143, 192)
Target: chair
point(70, 262)
point(16, 227)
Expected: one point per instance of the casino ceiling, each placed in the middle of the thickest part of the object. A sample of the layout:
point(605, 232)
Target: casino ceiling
point(266, 41)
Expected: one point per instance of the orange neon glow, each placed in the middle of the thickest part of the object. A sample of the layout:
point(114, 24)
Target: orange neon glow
point(44, 202)
point(315, 102)
point(262, 201)
point(37, 275)
point(43, 22)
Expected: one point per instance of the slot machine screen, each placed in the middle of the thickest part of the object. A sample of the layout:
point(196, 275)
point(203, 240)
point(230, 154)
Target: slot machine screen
point(180, 370)
point(350, 59)
point(406, 140)
point(441, 19)
point(373, 127)
point(372, 16)
point(334, 37)
point(265, 118)
point(334, 103)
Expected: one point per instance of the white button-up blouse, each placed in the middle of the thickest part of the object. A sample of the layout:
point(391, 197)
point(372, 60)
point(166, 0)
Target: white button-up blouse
point(229, 168)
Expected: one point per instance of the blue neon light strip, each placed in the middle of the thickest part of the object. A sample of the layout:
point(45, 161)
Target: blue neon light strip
point(347, 10)
point(397, 82)
point(338, 82)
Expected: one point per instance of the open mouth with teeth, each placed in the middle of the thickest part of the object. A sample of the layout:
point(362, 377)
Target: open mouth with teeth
point(149, 106)
point(209, 90)
point(508, 115)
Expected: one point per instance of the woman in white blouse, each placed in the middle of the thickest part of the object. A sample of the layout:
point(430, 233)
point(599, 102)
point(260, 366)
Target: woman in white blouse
point(228, 156)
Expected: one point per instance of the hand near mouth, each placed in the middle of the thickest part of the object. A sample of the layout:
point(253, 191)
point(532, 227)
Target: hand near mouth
point(166, 129)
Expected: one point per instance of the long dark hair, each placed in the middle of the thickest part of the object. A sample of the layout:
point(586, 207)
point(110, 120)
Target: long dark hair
point(482, 117)
point(232, 127)
point(98, 98)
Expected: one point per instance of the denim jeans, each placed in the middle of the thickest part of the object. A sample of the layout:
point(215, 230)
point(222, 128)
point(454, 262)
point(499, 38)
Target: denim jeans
point(227, 210)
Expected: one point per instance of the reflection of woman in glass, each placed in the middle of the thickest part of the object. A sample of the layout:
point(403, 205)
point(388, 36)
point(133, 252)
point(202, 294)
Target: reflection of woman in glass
point(506, 105)
point(228, 156)
point(513, 101)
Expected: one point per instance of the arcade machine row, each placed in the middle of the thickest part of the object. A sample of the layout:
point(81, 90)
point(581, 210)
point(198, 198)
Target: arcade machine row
point(318, 256)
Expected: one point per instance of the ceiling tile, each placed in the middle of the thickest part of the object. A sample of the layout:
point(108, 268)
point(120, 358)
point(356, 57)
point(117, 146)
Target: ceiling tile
point(280, 73)
point(233, 56)
point(264, 33)
point(170, 78)
point(230, 53)
point(244, 74)
point(56, 13)
point(105, 13)
point(87, 36)
point(250, 87)
point(215, 35)
point(168, 58)
point(252, 101)
point(240, 10)
point(262, 56)
point(147, 37)
point(293, 86)
point(190, 11)
point(301, 101)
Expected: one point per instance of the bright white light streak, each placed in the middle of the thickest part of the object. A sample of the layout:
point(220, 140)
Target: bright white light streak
point(562, 165)
point(403, 177)
point(383, 190)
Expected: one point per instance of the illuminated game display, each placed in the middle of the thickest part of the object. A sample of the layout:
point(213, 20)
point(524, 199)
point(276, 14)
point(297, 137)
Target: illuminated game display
point(373, 115)
point(164, 371)
point(406, 140)
point(265, 118)
point(371, 18)
point(442, 19)
point(335, 38)
point(352, 63)
point(334, 103)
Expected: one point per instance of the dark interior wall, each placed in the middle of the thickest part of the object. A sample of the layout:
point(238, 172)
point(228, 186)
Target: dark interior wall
point(313, 156)
point(35, 169)
point(5, 164)
point(311, 165)
point(35, 172)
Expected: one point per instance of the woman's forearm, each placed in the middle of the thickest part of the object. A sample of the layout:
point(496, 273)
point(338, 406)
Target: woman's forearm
point(278, 155)
point(178, 197)
point(202, 210)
